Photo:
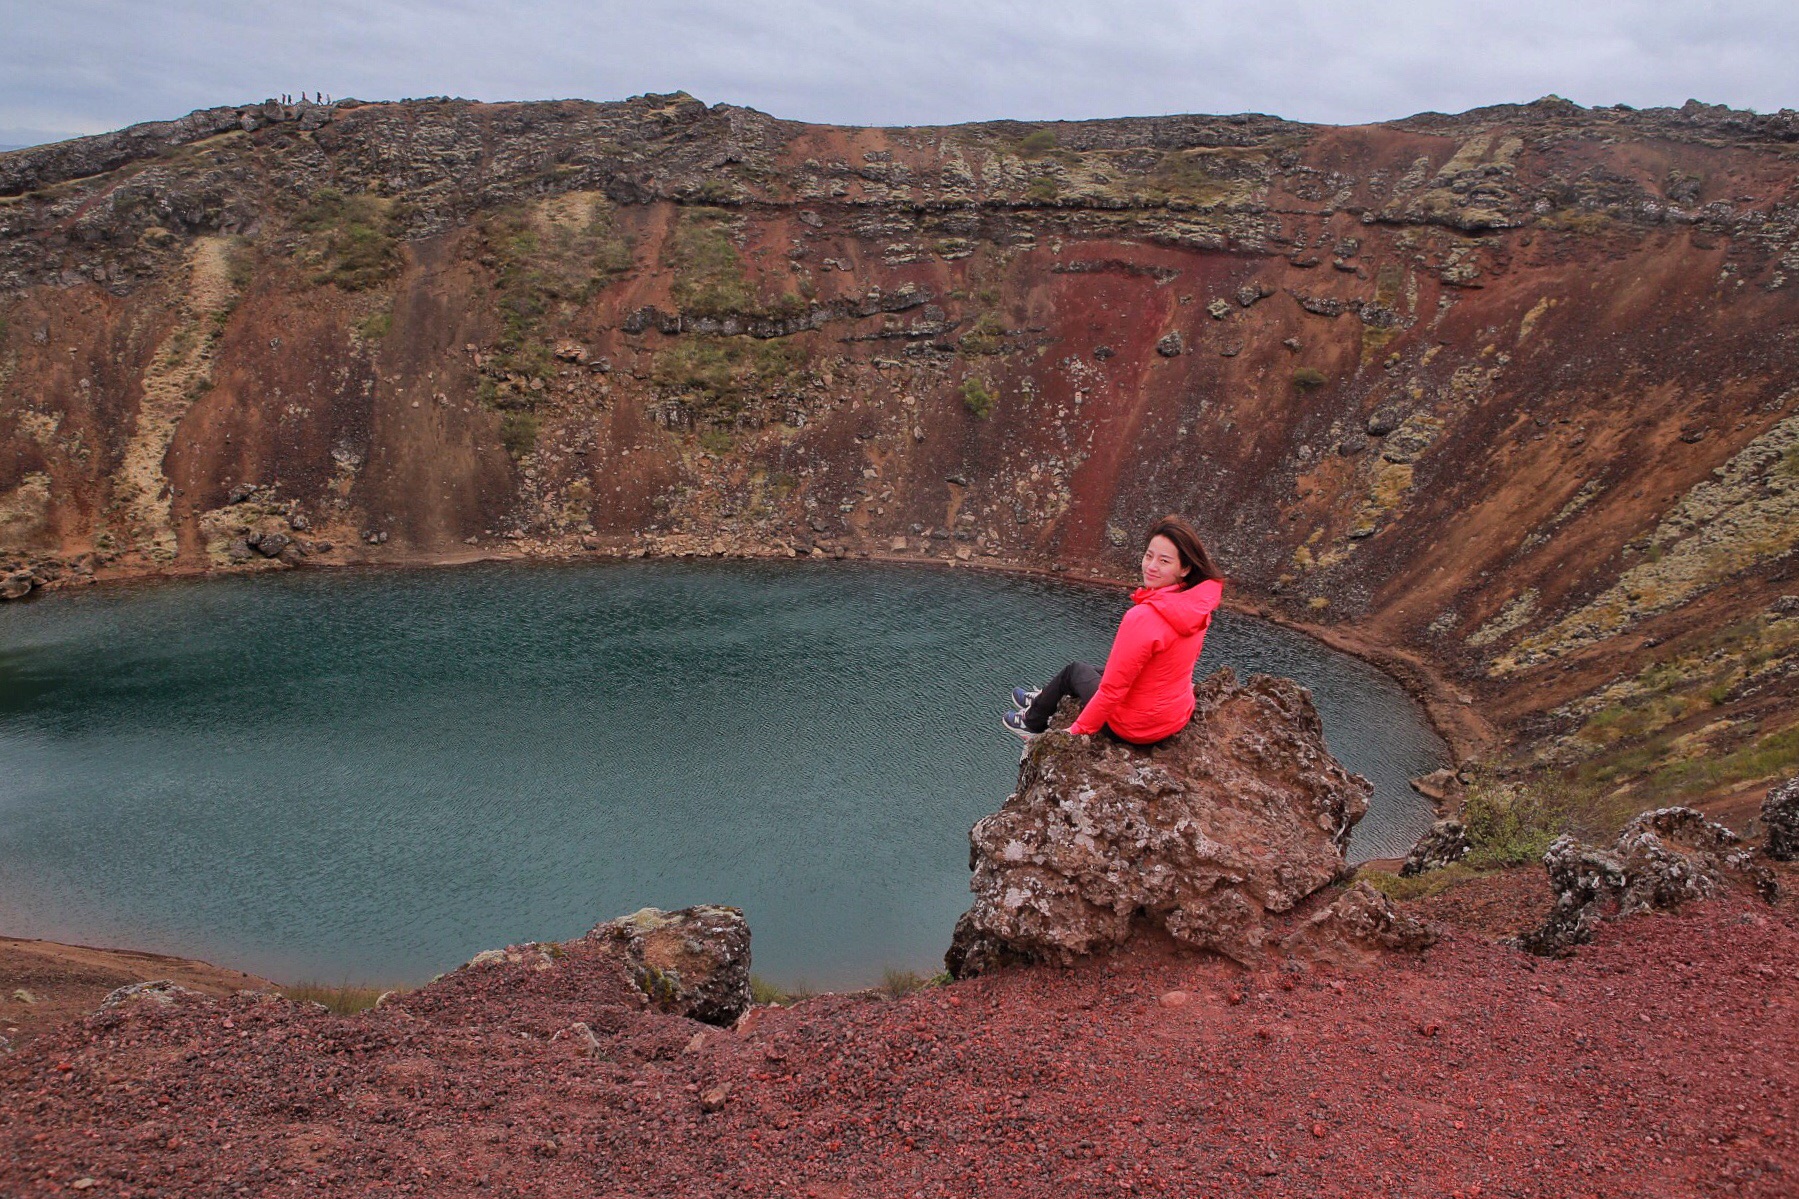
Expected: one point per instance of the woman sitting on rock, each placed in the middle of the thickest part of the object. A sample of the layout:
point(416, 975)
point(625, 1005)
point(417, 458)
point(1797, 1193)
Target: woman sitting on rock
point(1146, 690)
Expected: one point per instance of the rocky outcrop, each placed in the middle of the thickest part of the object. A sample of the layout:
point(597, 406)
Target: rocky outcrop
point(1210, 835)
point(1444, 842)
point(160, 991)
point(1661, 860)
point(694, 962)
point(1780, 813)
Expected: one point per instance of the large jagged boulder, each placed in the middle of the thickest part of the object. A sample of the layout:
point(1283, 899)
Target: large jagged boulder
point(1209, 835)
point(1443, 844)
point(1661, 860)
point(694, 962)
point(1780, 813)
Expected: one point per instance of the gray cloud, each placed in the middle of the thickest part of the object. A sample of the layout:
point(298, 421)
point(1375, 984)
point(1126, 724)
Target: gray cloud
point(88, 65)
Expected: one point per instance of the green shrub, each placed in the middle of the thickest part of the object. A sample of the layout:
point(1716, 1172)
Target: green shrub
point(722, 373)
point(977, 399)
point(377, 325)
point(1418, 886)
point(518, 432)
point(717, 441)
point(1308, 378)
point(343, 999)
point(1043, 190)
point(710, 279)
point(240, 263)
point(354, 238)
point(897, 984)
point(1511, 825)
point(537, 270)
point(764, 991)
point(985, 336)
point(1195, 176)
point(1037, 142)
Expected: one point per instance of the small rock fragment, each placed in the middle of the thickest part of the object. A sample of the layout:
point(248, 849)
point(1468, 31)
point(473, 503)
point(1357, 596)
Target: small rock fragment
point(1383, 421)
point(1438, 785)
point(270, 545)
point(1249, 293)
point(586, 1044)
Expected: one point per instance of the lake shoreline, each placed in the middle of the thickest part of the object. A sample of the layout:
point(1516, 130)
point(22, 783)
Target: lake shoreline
point(1452, 713)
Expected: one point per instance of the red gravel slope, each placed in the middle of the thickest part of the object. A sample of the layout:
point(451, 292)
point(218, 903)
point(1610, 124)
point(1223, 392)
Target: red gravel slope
point(1663, 1060)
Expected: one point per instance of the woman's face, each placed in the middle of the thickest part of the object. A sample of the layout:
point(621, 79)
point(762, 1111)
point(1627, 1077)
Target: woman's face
point(1162, 563)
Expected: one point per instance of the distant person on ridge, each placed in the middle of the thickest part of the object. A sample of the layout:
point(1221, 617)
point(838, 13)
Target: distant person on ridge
point(1145, 692)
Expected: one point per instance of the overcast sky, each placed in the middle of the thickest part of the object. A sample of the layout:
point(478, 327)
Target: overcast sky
point(84, 66)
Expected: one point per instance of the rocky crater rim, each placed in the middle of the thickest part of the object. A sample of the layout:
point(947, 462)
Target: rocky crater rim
point(1498, 397)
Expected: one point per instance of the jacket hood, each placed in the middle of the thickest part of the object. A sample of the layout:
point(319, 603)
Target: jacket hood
point(1186, 611)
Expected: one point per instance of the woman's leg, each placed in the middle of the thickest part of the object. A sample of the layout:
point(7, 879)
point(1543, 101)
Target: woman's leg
point(1077, 679)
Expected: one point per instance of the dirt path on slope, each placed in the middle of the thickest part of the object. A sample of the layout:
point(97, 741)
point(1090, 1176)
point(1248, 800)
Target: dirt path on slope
point(63, 982)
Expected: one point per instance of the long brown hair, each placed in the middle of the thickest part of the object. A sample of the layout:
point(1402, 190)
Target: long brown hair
point(1188, 545)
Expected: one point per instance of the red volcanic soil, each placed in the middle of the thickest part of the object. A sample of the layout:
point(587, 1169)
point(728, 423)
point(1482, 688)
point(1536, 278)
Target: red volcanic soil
point(1663, 1060)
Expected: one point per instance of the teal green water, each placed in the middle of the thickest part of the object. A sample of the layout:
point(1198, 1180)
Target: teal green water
point(373, 776)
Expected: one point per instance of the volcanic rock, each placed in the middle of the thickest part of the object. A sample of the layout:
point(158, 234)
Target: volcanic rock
point(17, 585)
point(1355, 928)
point(1444, 842)
point(1661, 860)
point(160, 991)
point(694, 962)
point(1172, 345)
point(1207, 835)
point(1437, 785)
point(1383, 421)
point(1780, 812)
point(1250, 293)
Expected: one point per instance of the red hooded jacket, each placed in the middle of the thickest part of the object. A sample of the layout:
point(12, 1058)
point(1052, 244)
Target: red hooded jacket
point(1146, 693)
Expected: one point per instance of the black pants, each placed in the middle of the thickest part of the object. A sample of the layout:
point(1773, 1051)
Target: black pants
point(1077, 679)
